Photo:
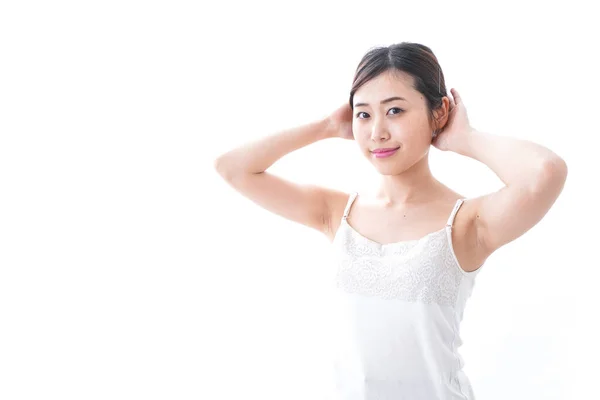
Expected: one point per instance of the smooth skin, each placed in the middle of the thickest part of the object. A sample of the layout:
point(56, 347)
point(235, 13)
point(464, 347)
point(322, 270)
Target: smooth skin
point(410, 203)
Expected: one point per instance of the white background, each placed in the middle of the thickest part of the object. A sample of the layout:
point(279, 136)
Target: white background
point(130, 270)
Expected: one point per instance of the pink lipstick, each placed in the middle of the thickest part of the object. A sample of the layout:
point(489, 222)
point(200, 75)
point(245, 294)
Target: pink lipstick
point(380, 153)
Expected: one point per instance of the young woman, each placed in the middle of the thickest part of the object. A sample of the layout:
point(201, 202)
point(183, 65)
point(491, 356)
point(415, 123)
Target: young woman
point(409, 253)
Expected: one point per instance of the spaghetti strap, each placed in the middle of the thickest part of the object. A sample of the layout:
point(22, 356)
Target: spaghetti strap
point(454, 211)
point(349, 204)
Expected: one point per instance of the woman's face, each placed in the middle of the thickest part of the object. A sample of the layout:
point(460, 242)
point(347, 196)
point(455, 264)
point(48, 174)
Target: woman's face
point(379, 122)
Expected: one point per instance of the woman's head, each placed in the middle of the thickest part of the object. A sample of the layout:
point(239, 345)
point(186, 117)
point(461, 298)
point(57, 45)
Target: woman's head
point(409, 71)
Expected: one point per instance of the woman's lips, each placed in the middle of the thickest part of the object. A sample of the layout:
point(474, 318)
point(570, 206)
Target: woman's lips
point(387, 153)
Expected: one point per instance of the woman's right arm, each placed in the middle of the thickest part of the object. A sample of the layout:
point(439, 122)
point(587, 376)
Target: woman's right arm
point(245, 167)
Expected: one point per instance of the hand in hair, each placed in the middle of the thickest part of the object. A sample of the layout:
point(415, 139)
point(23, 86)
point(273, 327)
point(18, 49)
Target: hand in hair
point(457, 129)
point(340, 122)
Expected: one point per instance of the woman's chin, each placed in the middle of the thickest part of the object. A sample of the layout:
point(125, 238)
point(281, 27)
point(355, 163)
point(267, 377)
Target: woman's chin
point(389, 169)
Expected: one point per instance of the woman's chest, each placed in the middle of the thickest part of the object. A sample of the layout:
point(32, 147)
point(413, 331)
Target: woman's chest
point(421, 270)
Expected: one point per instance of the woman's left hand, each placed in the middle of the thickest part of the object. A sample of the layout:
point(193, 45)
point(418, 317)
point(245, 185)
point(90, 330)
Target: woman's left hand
point(457, 130)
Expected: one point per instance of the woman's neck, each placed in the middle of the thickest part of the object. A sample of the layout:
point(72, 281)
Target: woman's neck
point(416, 185)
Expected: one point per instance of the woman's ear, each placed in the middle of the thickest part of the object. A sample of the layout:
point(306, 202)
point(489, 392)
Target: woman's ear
point(442, 113)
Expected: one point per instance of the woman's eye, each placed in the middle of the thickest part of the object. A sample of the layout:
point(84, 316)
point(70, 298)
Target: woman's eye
point(393, 108)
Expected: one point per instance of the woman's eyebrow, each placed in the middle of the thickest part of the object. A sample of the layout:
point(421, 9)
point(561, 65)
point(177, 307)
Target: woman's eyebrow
point(383, 101)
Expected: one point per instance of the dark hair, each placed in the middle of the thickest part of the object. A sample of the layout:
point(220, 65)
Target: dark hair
point(414, 59)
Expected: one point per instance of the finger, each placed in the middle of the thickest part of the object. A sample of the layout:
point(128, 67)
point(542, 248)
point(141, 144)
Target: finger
point(455, 95)
point(452, 102)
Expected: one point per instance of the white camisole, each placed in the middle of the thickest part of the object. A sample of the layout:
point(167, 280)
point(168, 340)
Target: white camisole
point(397, 315)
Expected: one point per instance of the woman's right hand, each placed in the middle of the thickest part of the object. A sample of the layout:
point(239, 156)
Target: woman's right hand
point(340, 122)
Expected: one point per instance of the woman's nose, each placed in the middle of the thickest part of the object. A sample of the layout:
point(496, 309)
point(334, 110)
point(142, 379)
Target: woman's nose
point(379, 131)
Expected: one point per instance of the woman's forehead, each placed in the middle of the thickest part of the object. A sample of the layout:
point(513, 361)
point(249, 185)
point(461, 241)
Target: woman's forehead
point(385, 86)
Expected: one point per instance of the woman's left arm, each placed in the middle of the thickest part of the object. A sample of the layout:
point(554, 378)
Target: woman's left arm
point(533, 175)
